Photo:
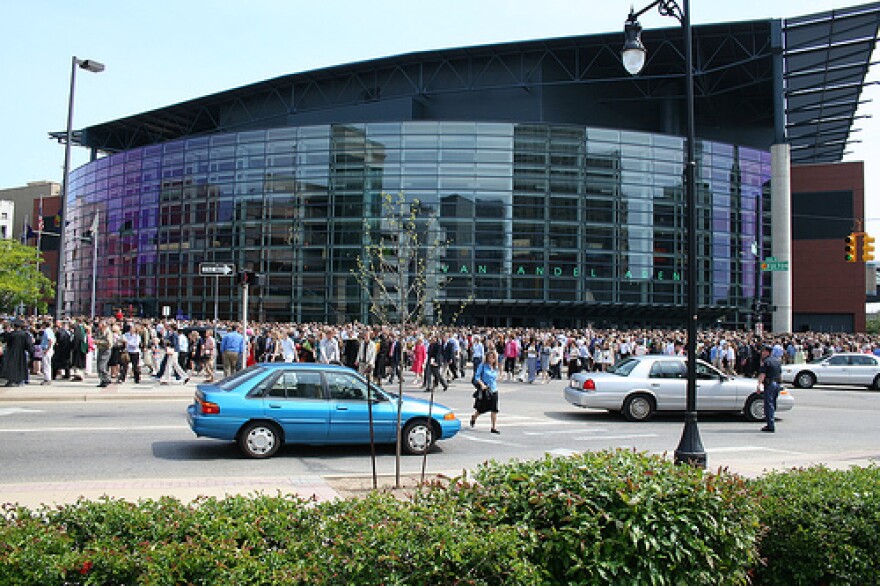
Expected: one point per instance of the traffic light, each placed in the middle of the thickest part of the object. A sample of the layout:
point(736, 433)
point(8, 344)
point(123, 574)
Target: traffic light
point(851, 254)
point(868, 248)
point(247, 278)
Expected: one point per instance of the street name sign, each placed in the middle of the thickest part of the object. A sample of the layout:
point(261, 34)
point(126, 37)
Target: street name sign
point(771, 264)
point(216, 269)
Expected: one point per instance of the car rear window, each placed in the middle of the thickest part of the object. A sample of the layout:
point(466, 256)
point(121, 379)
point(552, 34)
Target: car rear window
point(240, 377)
point(624, 367)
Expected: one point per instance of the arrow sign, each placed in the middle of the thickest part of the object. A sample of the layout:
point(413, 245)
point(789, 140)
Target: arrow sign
point(216, 269)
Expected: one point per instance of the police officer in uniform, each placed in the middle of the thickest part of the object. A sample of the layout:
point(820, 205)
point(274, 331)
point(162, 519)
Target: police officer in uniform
point(769, 384)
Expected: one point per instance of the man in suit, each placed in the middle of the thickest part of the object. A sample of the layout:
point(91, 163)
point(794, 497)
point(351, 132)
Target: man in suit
point(436, 363)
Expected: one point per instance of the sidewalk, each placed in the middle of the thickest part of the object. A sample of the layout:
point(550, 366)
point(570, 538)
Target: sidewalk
point(88, 390)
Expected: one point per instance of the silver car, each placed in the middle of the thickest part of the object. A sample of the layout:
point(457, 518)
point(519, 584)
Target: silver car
point(640, 386)
point(846, 368)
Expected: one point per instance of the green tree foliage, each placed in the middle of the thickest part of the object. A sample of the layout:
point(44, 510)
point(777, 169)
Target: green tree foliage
point(20, 279)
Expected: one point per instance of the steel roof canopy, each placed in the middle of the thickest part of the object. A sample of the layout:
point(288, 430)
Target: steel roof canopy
point(825, 60)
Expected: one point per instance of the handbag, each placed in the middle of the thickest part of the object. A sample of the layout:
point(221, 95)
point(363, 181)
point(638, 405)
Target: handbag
point(124, 357)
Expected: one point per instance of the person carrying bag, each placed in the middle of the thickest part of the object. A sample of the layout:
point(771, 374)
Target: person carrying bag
point(486, 395)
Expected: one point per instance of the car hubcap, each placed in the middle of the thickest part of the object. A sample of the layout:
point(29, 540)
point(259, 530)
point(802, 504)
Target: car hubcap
point(261, 440)
point(758, 409)
point(640, 408)
point(419, 438)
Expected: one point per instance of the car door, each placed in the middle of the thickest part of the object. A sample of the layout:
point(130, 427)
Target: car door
point(863, 369)
point(714, 391)
point(668, 382)
point(350, 414)
point(296, 400)
point(835, 370)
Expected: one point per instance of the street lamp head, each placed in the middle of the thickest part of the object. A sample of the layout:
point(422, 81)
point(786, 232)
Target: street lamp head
point(91, 65)
point(633, 52)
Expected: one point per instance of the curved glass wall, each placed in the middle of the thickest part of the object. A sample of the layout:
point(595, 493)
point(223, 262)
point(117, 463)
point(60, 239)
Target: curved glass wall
point(542, 215)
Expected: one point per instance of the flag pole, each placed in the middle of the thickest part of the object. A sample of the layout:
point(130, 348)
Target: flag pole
point(40, 228)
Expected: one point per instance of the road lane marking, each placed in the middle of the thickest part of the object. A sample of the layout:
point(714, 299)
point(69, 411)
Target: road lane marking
point(14, 410)
point(564, 431)
point(487, 440)
point(69, 429)
point(616, 437)
point(730, 449)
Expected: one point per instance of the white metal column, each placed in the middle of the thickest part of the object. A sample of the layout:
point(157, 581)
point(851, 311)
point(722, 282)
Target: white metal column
point(780, 204)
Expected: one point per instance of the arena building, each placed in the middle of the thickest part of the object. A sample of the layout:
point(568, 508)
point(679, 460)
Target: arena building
point(550, 176)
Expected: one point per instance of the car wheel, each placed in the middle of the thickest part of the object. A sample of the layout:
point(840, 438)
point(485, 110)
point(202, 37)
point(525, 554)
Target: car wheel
point(638, 407)
point(417, 437)
point(805, 380)
point(876, 384)
point(259, 439)
point(754, 410)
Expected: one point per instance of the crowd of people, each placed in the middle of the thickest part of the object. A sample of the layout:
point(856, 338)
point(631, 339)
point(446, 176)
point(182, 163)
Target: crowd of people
point(427, 356)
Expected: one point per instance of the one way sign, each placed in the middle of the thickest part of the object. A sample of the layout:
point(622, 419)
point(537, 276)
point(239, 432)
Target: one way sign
point(216, 269)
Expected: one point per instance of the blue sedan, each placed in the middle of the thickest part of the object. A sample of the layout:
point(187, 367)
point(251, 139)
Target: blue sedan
point(267, 405)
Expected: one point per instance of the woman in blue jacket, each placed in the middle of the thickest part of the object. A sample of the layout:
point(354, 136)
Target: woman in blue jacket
point(486, 396)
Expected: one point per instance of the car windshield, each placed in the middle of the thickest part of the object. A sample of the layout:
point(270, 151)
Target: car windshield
point(229, 383)
point(624, 367)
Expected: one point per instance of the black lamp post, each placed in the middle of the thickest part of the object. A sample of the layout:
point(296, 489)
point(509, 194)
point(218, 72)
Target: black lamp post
point(690, 447)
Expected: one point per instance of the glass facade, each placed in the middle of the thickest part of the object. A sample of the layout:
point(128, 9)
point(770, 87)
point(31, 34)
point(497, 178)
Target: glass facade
point(544, 215)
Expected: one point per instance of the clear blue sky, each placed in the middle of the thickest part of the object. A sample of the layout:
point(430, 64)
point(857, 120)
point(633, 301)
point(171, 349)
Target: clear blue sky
point(163, 52)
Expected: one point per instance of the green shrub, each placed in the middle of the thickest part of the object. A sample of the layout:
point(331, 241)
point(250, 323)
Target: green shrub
point(618, 517)
point(823, 526)
point(255, 540)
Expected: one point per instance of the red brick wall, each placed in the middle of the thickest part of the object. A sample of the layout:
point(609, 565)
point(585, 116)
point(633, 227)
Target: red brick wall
point(822, 281)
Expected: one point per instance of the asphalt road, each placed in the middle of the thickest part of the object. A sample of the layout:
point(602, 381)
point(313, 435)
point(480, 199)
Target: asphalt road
point(149, 439)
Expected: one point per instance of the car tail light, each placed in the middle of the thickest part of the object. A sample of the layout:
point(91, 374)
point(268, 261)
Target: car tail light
point(209, 408)
point(589, 385)
point(449, 416)
point(783, 392)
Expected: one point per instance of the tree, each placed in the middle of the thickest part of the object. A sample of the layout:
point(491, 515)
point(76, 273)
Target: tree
point(398, 272)
point(21, 282)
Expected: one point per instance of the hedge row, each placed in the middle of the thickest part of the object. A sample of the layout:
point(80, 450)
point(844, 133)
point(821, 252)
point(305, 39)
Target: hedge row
point(614, 517)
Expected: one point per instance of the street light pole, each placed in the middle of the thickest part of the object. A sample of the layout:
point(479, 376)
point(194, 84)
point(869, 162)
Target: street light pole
point(94, 67)
point(690, 448)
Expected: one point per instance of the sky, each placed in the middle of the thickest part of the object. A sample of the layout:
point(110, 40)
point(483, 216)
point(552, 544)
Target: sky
point(164, 52)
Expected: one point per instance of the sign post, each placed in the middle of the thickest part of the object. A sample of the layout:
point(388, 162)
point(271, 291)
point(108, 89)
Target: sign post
point(216, 269)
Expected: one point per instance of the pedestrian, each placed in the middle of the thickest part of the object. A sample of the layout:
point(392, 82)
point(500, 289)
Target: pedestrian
point(288, 348)
point(173, 364)
point(366, 360)
point(486, 396)
point(79, 351)
point(544, 365)
point(532, 355)
point(104, 345)
point(328, 348)
point(232, 350)
point(63, 348)
point(47, 344)
point(132, 340)
point(436, 364)
point(209, 355)
point(19, 345)
point(478, 353)
point(769, 384)
point(420, 356)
